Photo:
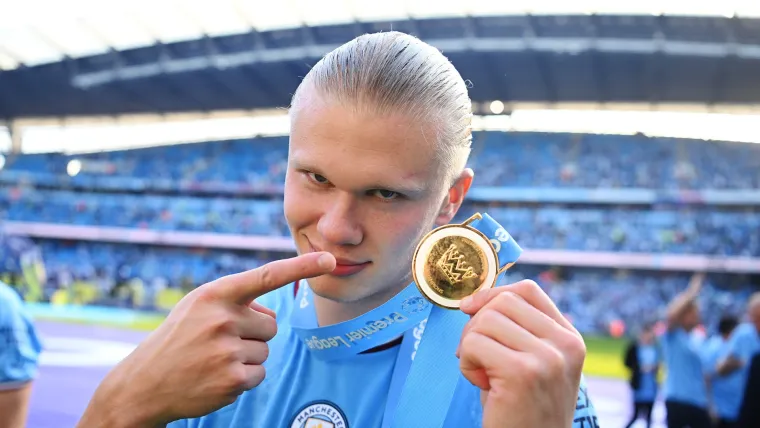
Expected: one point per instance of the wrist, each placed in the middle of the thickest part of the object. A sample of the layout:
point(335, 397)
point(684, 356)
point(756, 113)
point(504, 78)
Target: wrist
point(115, 406)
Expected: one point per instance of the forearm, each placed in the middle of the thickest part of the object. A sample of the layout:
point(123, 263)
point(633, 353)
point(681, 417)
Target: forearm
point(728, 366)
point(678, 306)
point(114, 408)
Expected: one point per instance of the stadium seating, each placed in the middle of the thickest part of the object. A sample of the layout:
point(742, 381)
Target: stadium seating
point(685, 231)
point(501, 159)
point(110, 191)
point(592, 298)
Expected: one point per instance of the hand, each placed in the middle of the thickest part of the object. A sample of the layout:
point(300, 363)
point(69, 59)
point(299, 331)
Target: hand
point(695, 284)
point(524, 356)
point(209, 350)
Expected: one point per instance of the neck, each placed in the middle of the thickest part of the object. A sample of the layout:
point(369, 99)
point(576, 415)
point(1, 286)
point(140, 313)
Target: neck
point(331, 312)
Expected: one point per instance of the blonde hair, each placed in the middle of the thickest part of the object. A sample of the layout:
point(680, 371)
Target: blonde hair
point(391, 72)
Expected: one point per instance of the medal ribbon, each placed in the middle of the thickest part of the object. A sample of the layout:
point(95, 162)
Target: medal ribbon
point(426, 396)
point(420, 393)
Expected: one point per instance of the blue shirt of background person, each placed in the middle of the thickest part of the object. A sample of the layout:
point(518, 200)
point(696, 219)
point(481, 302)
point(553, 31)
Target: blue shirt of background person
point(743, 345)
point(684, 382)
point(725, 391)
point(649, 358)
point(20, 349)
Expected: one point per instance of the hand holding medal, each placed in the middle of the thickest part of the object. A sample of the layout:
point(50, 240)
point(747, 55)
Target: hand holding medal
point(517, 347)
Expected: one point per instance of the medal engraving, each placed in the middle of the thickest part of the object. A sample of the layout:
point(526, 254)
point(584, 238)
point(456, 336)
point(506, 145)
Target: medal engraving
point(455, 267)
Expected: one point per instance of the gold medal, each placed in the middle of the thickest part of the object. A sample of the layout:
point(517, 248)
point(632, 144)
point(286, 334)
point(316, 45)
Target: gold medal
point(454, 261)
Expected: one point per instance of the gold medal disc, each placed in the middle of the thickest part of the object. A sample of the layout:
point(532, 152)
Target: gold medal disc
point(453, 262)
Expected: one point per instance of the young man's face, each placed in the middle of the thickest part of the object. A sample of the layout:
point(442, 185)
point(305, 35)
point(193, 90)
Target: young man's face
point(366, 189)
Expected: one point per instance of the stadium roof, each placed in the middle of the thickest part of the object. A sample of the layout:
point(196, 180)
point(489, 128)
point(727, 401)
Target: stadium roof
point(89, 57)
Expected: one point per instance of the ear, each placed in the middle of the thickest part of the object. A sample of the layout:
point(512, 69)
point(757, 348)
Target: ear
point(455, 197)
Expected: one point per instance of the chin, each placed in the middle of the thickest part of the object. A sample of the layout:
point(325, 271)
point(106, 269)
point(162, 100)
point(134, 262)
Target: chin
point(343, 290)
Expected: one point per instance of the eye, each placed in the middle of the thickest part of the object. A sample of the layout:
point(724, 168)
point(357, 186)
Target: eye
point(386, 195)
point(317, 178)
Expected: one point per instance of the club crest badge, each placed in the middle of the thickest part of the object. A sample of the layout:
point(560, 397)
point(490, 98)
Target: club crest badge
point(320, 414)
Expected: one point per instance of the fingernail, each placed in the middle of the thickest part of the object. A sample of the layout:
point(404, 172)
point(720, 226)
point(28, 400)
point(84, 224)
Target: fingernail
point(325, 261)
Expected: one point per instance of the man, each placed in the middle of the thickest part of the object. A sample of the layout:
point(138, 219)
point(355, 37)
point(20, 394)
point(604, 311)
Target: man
point(19, 354)
point(685, 391)
point(744, 344)
point(725, 391)
point(380, 135)
point(749, 415)
point(642, 357)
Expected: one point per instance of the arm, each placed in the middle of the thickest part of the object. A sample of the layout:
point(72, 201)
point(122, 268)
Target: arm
point(729, 365)
point(678, 306)
point(19, 354)
point(14, 404)
point(209, 350)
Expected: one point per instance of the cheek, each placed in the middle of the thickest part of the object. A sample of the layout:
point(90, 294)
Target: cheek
point(296, 204)
point(403, 232)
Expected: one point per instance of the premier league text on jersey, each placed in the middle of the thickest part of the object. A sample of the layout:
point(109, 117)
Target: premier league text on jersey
point(354, 336)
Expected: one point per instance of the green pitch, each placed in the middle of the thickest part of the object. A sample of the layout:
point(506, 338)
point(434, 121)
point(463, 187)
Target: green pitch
point(604, 357)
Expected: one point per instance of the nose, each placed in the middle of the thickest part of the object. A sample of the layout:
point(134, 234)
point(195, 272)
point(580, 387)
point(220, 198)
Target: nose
point(338, 224)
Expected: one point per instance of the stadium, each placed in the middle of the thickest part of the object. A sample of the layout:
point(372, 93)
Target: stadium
point(144, 148)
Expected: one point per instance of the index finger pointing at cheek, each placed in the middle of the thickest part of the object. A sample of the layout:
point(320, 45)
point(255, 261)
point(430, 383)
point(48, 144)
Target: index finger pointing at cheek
point(244, 287)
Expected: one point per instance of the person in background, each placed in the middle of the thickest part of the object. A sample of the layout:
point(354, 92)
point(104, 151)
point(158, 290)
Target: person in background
point(743, 346)
point(20, 349)
point(749, 414)
point(685, 390)
point(724, 391)
point(643, 359)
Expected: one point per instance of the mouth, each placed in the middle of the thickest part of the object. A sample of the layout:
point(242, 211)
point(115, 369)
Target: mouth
point(343, 266)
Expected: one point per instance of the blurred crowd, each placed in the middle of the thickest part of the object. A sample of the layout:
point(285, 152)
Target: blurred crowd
point(137, 276)
point(501, 159)
point(684, 230)
point(151, 277)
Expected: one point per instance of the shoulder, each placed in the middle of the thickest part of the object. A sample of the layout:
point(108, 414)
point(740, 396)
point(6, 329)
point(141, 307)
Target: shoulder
point(745, 331)
point(20, 346)
point(672, 335)
point(10, 301)
point(744, 339)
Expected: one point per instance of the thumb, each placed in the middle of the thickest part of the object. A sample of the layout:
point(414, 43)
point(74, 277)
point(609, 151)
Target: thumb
point(245, 287)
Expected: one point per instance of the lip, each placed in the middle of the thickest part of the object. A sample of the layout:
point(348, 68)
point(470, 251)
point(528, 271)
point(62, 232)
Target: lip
point(343, 266)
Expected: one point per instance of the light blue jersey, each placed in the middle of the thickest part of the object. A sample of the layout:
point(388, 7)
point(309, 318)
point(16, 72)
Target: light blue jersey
point(20, 346)
point(647, 391)
point(301, 391)
point(684, 382)
point(726, 391)
point(743, 345)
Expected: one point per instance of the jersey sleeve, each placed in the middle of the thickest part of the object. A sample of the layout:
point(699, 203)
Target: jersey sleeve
point(585, 414)
point(20, 345)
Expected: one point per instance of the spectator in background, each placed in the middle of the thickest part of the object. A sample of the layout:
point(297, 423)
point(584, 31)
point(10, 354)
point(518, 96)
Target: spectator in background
point(725, 392)
point(749, 415)
point(19, 353)
point(685, 389)
point(743, 346)
point(642, 357)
